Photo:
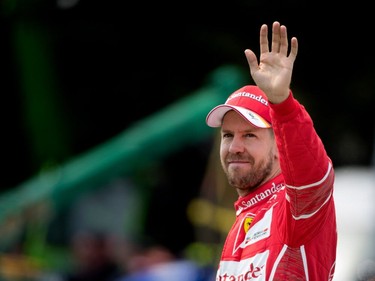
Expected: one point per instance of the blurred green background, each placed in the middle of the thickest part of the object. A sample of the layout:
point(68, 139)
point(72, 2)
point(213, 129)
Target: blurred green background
point(108, 98)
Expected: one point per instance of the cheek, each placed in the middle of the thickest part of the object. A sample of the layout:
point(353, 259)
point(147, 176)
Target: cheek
point(223, 151)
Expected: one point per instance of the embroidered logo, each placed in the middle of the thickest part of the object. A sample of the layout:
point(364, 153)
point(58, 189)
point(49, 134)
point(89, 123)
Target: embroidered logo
point(247, 223)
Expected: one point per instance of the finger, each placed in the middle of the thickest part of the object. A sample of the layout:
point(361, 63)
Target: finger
point(251, 60)
point(263, 38)
point(293, 48)
point(283, 40)
point(275, 37)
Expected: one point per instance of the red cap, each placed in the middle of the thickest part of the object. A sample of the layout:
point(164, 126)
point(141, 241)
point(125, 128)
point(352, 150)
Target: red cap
point(249, 101)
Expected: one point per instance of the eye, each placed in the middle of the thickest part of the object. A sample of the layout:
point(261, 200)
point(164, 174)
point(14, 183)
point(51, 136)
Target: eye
point(227, 135)
point(250, 135)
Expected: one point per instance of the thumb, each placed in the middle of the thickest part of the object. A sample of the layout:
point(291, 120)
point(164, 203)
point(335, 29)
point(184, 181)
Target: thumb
point(251, 60)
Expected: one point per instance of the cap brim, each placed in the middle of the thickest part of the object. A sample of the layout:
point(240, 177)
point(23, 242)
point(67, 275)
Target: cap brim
point(215, 116)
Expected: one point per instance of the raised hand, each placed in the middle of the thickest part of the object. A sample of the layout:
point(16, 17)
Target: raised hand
point(273, 73)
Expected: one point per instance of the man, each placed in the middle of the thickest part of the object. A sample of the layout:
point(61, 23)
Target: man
point(285, 227)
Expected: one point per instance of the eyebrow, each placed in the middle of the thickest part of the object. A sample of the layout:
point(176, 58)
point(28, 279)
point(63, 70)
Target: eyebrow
point(252, 130)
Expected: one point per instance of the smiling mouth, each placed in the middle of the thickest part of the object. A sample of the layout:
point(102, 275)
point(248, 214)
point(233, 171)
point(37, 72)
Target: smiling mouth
point(237, 161)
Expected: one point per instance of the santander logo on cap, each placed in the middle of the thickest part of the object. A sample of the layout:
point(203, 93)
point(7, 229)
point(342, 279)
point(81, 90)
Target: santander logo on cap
point(249, 101)
point(239, 94)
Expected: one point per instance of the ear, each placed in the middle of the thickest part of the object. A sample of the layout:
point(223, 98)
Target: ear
point(275, 152)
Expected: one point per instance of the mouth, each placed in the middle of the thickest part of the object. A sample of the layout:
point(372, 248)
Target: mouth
point(237, 164)
point(237, 161)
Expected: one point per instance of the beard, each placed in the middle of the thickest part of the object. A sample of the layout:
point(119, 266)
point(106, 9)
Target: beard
point(250, 179)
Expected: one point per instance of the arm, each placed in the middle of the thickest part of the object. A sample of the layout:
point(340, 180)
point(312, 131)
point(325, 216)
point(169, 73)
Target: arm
point(306, 167)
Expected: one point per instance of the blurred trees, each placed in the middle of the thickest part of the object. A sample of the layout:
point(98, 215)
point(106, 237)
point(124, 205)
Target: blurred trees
point(79, 72)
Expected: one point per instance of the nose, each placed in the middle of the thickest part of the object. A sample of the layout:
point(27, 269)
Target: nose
point(236, 145)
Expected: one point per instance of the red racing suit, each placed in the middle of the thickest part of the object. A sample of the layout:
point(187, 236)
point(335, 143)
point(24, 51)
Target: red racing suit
point(286, 228)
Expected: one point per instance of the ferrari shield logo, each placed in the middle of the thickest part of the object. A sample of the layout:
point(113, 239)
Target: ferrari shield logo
point(246, 224)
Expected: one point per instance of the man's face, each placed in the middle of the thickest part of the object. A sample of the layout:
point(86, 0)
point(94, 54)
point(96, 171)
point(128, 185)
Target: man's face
point(248, 154)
